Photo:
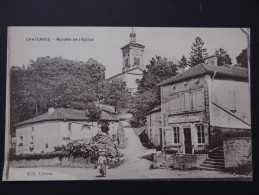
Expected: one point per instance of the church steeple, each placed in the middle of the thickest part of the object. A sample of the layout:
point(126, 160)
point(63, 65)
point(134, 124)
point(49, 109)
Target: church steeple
point(132, 54)
point(132, 36)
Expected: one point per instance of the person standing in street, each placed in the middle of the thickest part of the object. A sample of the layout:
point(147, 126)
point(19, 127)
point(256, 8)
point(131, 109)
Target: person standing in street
point(101, 164)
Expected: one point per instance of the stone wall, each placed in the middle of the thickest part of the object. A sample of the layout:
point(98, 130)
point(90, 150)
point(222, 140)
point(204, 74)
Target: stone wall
point(236, 151)
point(188, 161)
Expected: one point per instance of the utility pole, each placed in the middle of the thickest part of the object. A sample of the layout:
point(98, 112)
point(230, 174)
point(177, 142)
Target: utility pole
point(247, 33)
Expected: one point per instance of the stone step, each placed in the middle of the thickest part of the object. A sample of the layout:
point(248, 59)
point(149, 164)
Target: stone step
point(212, 166)
point(217, 157)
point(219, 154)
point(210, 169)
point(213, 163)
point(215, 160)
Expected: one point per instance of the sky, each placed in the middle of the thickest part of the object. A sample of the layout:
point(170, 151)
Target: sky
point(104, 43)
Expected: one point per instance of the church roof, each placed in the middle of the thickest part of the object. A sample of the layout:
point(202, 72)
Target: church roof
point(133, 44)
point(226, 72)
point(63, 114)
point(124, 73)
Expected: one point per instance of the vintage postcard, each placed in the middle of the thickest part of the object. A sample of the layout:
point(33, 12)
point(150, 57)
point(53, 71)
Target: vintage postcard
point(113, 103)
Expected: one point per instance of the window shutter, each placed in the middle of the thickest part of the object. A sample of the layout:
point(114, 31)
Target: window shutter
point(168, 137)
point(198, 99)
point(174, 104)
point(187, 101)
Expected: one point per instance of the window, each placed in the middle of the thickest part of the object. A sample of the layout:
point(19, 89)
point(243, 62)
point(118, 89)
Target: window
point(185, 102)
point(136, 61)
point(126, 62)
point(174, 104)
point(176, 135)
point(69, 126)
point(200, 134)
point(32, 129)
point(21, 141)
point(47, 145)
point(198, 99)
point(232, 101)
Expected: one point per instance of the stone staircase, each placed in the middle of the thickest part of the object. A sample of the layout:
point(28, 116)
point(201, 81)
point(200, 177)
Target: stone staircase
point(215, 162)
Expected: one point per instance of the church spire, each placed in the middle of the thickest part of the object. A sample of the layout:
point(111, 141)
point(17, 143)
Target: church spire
point(132, 36)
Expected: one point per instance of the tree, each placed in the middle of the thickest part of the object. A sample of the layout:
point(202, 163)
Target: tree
point(113, 93)
point(242, 59)
point(157, 71)
point(222, 57)
point(183, 63)
point(48, 82)
point(93, 112)
point(198, 52)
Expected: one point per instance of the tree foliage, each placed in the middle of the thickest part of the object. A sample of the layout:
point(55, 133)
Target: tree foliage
point(158, 70)
point(222, 57)
point(93, 112)
point(52, 82)
point(242, 59)
point(198, 52)
point(114, 93)
point(183, 63)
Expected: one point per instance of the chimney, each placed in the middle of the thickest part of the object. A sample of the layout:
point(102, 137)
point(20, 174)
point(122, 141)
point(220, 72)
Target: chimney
point(51, 110)
point(212, 60)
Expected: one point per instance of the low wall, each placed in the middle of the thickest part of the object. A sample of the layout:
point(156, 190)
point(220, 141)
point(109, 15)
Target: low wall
point(188, 161)
point(65, 162)
point(236, 151)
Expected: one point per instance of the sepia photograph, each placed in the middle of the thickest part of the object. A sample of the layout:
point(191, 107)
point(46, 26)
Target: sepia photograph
point(128, 103)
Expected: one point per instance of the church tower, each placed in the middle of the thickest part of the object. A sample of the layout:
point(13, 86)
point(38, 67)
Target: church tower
point(132, 54)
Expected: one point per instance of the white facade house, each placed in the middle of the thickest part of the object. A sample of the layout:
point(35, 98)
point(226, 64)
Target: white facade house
point(58, 126)
point(203, 106)
point(154, 126)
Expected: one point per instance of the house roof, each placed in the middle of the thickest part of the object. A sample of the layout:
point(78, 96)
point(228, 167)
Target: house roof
point(155, 109)
point(227, 72)
point(125, 72)
point(62, 114)
point(134, 45)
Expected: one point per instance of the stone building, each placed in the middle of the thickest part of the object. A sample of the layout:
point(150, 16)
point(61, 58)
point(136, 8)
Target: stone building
point(203, 106)
point(154, 126)
point(132, 64)
point(56, 127)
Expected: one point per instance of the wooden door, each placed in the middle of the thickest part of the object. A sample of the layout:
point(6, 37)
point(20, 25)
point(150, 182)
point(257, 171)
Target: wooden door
point(187, 140)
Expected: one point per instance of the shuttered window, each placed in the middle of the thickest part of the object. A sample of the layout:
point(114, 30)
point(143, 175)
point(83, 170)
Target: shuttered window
point(186, 102)
point(200, 134)
point(176, 135)
point(198, 99)
point(174, 104)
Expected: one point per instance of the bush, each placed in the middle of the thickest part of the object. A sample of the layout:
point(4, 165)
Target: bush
point(90, 149)
point(50, 155)
point(145, 141)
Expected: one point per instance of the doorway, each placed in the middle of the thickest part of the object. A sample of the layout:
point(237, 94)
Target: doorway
point(160, 136)
point(187, 140)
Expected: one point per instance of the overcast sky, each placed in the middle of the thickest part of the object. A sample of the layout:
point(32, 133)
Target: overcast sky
point(107, 41)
